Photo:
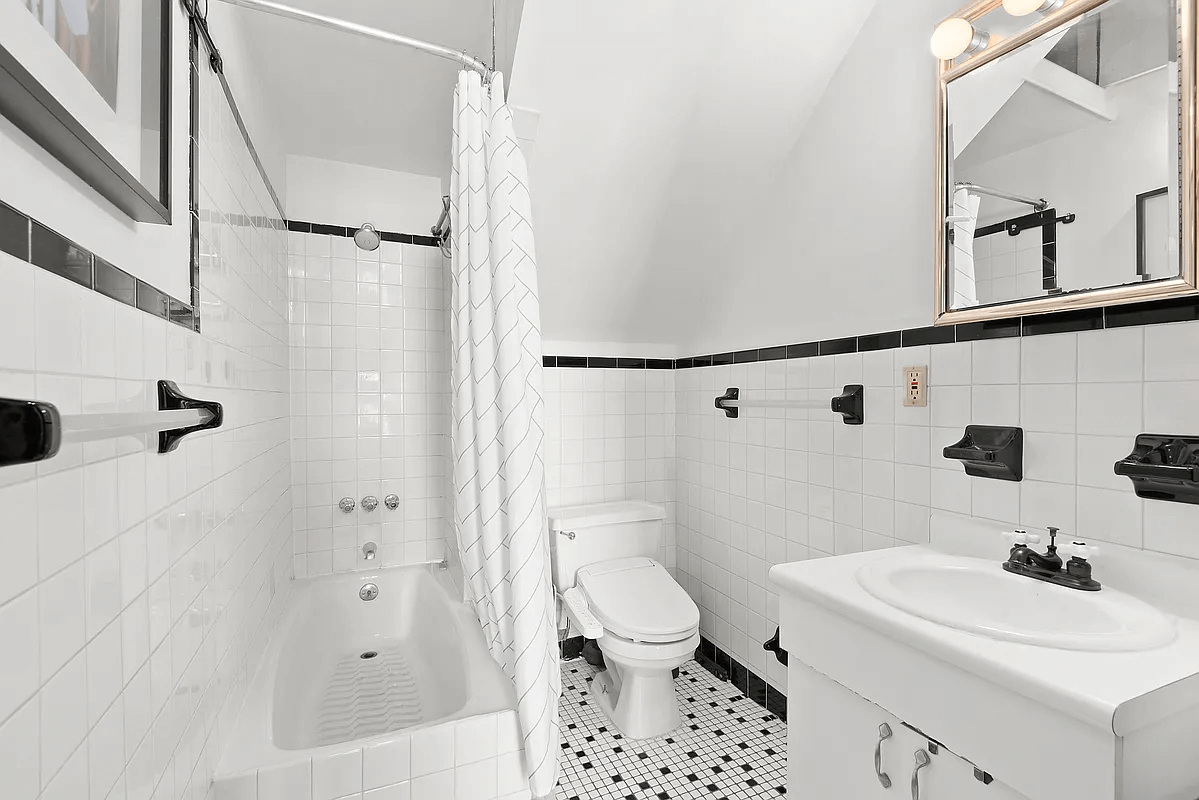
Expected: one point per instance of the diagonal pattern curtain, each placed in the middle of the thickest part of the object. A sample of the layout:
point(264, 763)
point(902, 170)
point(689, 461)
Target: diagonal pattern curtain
point(498, 414)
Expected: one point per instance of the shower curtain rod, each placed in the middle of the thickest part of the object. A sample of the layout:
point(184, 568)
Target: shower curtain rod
point(333, 23)
point(1037, 204)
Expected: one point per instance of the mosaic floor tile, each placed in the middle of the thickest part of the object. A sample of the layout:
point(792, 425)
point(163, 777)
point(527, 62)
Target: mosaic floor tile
point(728, 747)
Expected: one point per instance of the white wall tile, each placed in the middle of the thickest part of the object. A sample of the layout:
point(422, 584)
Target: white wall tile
point(336, 776)
point(388, 763)
point(1111, 356)
point(1049, 359)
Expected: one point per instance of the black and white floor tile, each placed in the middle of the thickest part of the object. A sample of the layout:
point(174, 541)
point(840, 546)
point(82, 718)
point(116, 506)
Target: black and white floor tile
point(728, 747)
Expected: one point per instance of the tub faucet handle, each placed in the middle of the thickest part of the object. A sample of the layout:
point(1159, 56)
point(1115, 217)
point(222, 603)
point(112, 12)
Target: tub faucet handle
point(370, 503)
point(346, 505)
point(368, 551)
point(392, 501)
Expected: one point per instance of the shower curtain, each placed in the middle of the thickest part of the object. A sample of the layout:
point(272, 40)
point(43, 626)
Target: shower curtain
point(498, 414)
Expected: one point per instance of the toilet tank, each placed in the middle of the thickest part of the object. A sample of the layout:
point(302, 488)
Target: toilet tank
point(602, 532)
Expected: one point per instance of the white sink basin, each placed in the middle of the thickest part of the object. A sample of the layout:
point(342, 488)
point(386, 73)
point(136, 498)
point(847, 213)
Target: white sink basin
point(979, 597)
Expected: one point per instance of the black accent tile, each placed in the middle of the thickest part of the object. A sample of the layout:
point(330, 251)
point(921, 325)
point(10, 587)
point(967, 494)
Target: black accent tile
point(596, 362)
point(708, 648)
point(114, 283)
point(739, 676)
point(1181, 309)
point(330, 230)
point(702, 361)
point(879, 341)
point(722, 659)
point(721, 359)
point(913, 337)
point(61, 256)
point(14, 232)
point(299, 227)
point(682, 363)
point(804, 350)
point(151, 300)
point(389, 236)
point(830, 347)
point(426, 241)
point(549, 361)
point(180, 313)
point(991, 329)
point(572, 361)
point(660, 363)
point(757, 690)
point(630, 363)
point(1087, 319)
point(772, 353)
point(776, 703)
point(745, 356)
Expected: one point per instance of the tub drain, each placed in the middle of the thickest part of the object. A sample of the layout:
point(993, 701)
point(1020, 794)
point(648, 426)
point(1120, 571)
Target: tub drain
point(369, 654)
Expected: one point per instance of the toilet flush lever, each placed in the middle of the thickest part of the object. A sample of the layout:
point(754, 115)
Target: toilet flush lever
point(568, 534)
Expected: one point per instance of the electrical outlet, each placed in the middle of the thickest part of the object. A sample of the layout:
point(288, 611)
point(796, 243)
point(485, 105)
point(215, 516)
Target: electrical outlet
point(915, 384)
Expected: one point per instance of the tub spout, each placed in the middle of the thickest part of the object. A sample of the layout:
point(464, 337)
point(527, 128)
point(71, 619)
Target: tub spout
point(368, 551)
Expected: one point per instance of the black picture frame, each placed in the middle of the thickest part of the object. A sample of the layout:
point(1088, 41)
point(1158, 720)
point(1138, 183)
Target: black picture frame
point(41, 117)
point(1141, 200)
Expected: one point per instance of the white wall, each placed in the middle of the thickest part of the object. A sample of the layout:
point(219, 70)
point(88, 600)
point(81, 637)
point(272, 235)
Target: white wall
point(843, 242)
point(337, 193)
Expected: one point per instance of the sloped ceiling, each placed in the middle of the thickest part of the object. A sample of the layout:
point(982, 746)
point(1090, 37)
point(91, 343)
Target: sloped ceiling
point(342, 97)
point(660, 125)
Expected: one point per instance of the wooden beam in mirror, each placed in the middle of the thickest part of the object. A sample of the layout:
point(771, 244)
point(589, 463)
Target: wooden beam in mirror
point(1066, 151)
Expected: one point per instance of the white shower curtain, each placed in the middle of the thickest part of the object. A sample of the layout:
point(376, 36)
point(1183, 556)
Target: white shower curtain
point(498, 414)
point(964, 293)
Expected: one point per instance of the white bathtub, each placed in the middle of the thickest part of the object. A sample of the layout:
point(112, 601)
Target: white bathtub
point(354, 696)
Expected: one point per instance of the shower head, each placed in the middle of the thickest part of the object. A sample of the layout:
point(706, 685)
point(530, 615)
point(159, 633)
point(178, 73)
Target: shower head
point(367, 237)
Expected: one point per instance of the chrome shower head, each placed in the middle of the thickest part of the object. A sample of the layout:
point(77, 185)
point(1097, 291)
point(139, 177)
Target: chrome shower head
point(367, 237)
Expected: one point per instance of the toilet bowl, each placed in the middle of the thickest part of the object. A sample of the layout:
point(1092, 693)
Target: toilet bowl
point(650, 627)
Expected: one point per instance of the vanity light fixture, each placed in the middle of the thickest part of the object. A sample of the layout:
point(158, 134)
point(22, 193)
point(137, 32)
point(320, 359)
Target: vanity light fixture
point(956, 36)
point(1022, 8)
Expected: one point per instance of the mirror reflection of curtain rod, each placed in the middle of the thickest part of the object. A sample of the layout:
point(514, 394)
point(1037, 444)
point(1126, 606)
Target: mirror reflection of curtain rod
point(1037, 205)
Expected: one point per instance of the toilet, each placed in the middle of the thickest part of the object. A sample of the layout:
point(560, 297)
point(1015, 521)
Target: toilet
point(614, 591)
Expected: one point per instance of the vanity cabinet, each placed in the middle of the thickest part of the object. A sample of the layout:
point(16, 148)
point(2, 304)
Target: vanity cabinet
point(842, 746)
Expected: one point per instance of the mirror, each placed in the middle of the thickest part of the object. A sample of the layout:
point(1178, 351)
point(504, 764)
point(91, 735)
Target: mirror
point(1061, 153)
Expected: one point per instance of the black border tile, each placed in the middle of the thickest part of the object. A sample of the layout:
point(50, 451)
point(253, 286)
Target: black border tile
point(991, 329)
point(113, 282)
point(295, 226)
point(659, 363)
point(745, 356)
point(804, 350)
point(329, 230)
point(1086, 319)
point(152, 301)
point(598, 362)
point(14, 232)
point(572, 361)
point(834, 347)
point(549, 361)
point(933, 334)
point(879, 341)
point(1158, 312)
point(722, 359)
point(630, 363)
point(772, 353)
point(59, 255)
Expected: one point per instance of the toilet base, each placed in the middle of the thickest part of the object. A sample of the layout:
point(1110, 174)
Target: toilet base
point(636, 691)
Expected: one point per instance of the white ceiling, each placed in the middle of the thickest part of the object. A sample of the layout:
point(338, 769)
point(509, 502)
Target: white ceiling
point(347, 98)
point(661, 124)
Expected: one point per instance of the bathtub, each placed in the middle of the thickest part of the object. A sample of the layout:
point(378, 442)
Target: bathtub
point(356, 696)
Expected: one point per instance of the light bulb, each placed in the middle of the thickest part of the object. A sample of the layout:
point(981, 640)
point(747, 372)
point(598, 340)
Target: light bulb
point(1022, 8)
point(955, 36)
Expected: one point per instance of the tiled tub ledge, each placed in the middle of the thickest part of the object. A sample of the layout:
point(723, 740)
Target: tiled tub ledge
point(479, 758)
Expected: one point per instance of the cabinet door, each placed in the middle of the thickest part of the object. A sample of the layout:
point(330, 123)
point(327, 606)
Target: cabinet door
point(832, 734)
point(945, 776)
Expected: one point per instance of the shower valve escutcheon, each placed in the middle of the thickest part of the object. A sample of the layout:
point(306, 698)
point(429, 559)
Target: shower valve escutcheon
point(392, 501)
point(370, 503)
point(346, 505)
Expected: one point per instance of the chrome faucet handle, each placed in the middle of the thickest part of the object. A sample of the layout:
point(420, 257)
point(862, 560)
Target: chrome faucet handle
point(346, 505)
point(370, 503)
point(392, 501)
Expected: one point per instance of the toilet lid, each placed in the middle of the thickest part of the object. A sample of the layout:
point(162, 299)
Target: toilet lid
point(637, 599)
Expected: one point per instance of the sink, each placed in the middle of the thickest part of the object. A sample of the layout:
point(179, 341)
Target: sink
point(979, 597)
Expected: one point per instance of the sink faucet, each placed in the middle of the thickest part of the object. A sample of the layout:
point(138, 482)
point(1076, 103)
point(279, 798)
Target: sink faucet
point(1048, 566)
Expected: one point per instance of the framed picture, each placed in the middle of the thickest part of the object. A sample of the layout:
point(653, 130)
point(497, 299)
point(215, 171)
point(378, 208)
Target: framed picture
point(89, 82)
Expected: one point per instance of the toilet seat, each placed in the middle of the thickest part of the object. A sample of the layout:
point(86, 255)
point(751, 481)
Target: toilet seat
point(636, 599)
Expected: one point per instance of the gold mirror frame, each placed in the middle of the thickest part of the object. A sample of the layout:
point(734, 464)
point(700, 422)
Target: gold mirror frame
point(1184, 284)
